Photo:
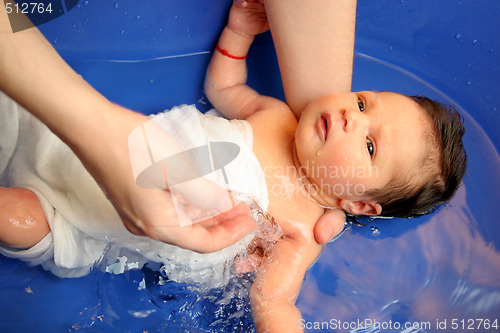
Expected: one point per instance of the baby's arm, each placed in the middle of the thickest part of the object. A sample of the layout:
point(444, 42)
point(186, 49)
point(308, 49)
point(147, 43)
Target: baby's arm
point(278, 283)
point(225, 83)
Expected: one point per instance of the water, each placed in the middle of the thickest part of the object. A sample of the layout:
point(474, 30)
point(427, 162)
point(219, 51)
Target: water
point(426, 270)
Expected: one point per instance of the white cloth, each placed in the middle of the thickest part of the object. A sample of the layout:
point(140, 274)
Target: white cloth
point(83, 222)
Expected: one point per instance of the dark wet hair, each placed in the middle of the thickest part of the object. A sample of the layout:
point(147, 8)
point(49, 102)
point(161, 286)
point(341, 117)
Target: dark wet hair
point(444, 165)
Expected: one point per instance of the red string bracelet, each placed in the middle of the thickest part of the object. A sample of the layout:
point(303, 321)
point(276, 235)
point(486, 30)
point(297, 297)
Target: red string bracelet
point(225, 53)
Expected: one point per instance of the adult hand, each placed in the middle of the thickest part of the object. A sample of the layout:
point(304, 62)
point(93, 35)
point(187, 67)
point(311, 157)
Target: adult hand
point(151, 212)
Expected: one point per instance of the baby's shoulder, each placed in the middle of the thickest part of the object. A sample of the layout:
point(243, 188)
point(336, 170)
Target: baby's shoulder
point(274, 115)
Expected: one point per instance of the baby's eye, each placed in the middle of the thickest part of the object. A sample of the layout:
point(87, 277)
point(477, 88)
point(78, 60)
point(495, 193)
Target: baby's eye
point(361, 105)
point(370, 146)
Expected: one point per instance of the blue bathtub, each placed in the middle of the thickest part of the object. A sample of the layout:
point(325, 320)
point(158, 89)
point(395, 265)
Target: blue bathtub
point(437, 273)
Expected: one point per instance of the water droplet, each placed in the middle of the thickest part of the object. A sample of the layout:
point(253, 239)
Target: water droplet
point(138, 17)
point(152, 81)
point(86, 3)
point(74, 25)
point(116, 5)
point(469, 83)
point(122, 32)
point(391, 47)
point(458, 36)
point(375, 231)
point(54, 41)
point(492, 50)
point(474, 41)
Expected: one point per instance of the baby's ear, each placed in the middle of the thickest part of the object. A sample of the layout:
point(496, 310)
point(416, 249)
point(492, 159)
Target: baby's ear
point(361, 207)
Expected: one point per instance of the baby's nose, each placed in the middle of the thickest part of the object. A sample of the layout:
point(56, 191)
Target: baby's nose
point(352, 120)
point(349, 121)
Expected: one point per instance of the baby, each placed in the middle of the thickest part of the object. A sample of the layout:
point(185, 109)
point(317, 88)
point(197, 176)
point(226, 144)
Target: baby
point(366, 153)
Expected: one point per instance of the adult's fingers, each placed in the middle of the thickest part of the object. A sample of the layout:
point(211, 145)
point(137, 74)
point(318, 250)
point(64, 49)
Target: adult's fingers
point(329, 225)
point(218, 232)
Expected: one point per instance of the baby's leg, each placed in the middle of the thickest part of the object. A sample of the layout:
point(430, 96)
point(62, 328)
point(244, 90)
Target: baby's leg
point(22, 219)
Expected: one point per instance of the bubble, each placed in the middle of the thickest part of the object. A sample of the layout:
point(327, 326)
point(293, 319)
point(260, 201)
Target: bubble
point(163, 271)
point(458, 36)
point(474, 41)
point(116, 5)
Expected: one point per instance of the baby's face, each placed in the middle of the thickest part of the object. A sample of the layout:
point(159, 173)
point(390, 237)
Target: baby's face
point(349, 143)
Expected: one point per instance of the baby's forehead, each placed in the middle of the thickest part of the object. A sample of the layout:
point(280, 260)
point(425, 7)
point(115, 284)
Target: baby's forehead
point(413, 137)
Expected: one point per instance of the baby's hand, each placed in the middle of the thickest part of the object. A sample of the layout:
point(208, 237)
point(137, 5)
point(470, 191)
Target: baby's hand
point(248, 17)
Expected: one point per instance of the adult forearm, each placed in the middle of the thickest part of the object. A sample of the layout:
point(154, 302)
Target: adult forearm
point(315, 55)
point(34, 75)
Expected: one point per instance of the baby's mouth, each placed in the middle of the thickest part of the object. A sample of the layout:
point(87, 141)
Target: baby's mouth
point(324, 126)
